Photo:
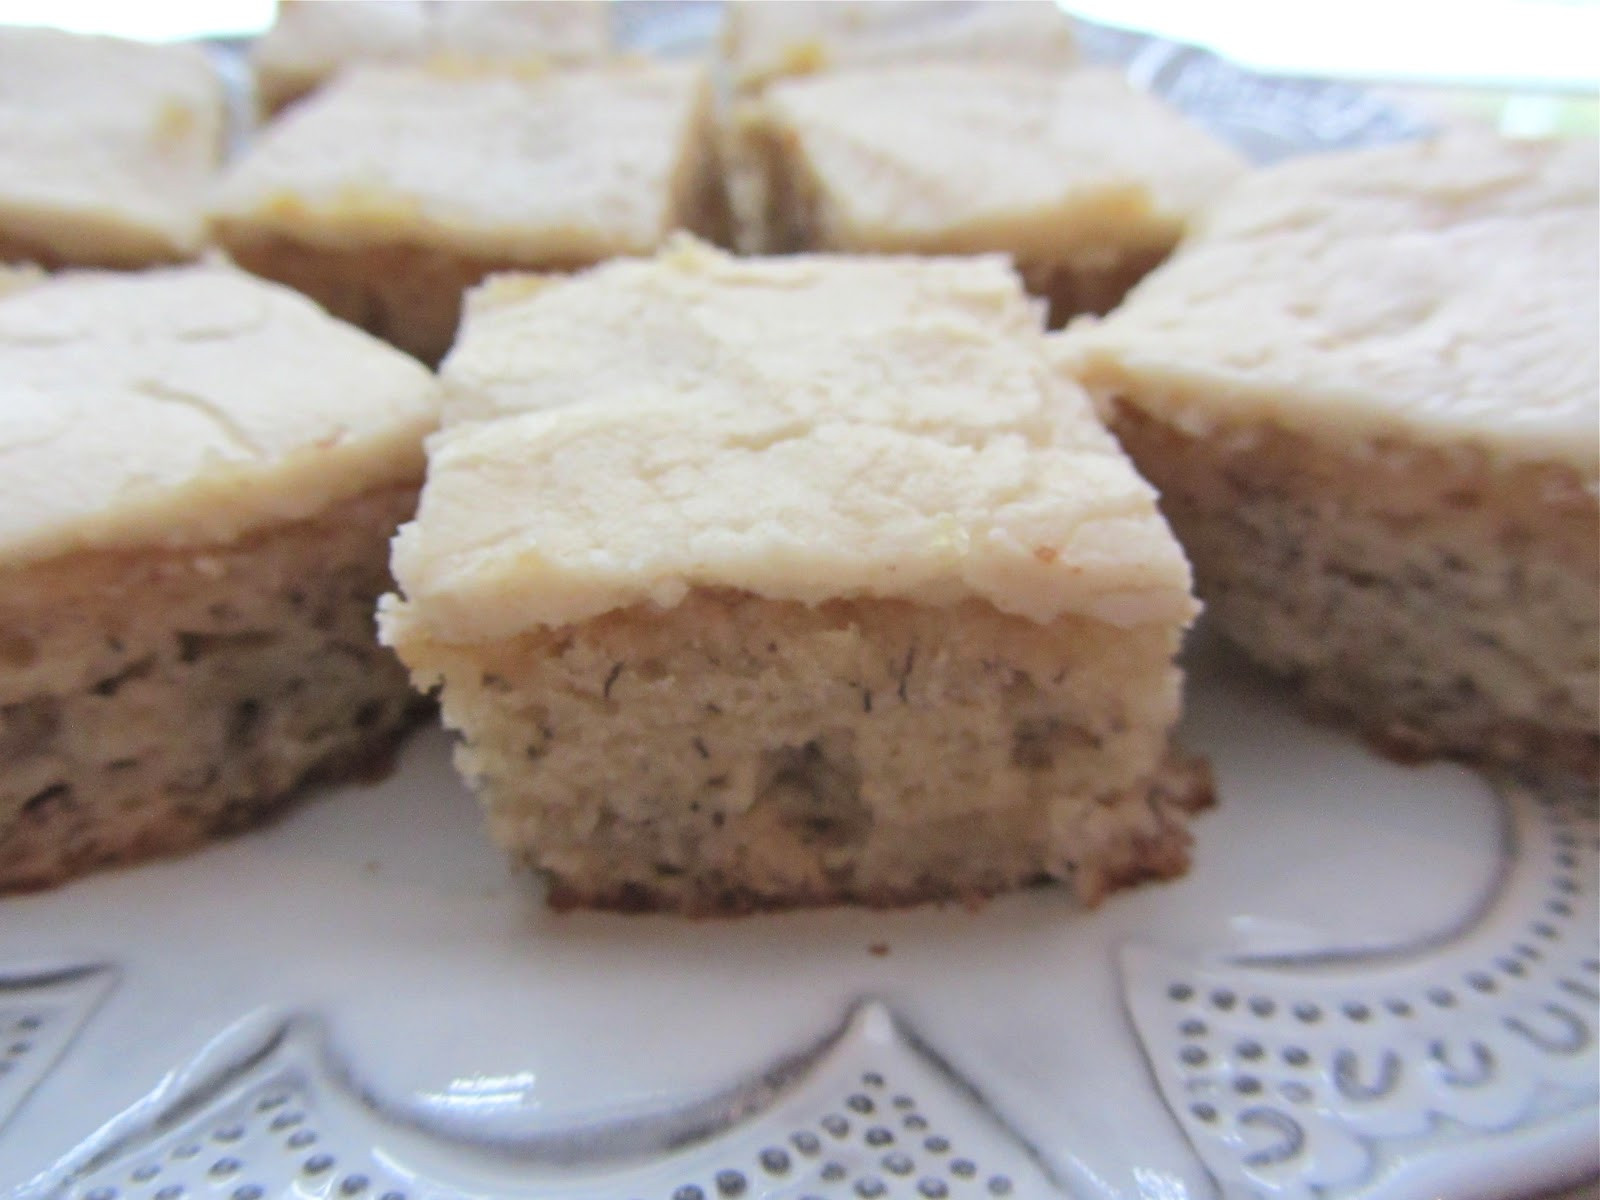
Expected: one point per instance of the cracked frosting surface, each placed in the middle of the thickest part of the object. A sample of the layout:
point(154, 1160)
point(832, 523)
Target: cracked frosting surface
point(1447, 291)
point(960, 158)
point(106, 146)
point(189, 405)
point(800, 428)
point(694, 324)
point(567, 167)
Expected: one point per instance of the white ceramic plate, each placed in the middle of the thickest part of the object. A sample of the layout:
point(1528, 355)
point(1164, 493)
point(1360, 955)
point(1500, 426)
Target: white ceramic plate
point(1376, 981)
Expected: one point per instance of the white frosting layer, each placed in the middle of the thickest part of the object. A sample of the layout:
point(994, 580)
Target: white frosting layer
point(962, 159)
point(799, 333)
point(800, 428)
point(564, 168)
point(1446, 292)
point(107, 147)
point(188, 406)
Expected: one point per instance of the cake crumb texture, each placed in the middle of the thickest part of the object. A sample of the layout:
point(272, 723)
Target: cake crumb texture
point(152, 700)
point(734, 753)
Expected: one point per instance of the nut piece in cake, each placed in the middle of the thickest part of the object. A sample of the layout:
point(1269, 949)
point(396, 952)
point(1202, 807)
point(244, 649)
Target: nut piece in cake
point(107, 149)
point(1085, 181)
point(1367, 391)
point(312, 41)
point(392, 190)
point(199, 475)
point(762, 583)
point(764, 41)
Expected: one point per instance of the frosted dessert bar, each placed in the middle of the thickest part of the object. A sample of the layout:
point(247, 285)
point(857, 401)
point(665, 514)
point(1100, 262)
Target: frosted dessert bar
point(1084, 181)
point(313, 40)
point(107, 149)
point(391, 191)
point(762, 42)
point(1367, 391)
point(199, 475)
point(762, 583)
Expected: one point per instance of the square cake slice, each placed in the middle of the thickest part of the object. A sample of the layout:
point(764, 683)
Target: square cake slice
point(764, 41)
point(107, 149)
point(1368, 392)
point(801, 608)
point(391, 191)
point(1084, 181)
point(312, 40)
point(199, 475)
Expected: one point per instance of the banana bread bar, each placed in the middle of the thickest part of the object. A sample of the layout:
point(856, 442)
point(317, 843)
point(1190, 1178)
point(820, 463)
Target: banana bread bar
point(199, 475)
point(107, 149)
point(761, 583)
point(1367, 391)
point(310, 41)
point(1086, 182)
point(387, 194)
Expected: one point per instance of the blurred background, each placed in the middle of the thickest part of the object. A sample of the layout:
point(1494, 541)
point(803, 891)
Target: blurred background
point(1531, 66)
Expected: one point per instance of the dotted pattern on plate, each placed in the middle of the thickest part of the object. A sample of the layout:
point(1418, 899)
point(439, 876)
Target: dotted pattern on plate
point(871, 1117)
point(1293, 1077)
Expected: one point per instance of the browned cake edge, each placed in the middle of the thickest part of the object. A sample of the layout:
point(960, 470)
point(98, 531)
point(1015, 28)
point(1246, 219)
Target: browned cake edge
point(56, 253)
point(408, 295)
point(1149, 841)
point(277, 87)
point(1090, 285)
point(411, 294)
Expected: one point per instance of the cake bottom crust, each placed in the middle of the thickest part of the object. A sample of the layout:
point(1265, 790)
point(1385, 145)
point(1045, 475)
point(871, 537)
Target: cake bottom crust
point(151, 700)
point(1132, 837)
point(1442, 606)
